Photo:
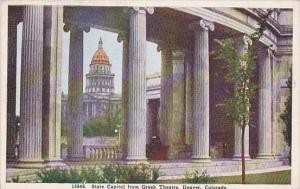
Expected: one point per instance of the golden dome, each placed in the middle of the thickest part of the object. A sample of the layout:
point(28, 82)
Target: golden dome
point(100, 56)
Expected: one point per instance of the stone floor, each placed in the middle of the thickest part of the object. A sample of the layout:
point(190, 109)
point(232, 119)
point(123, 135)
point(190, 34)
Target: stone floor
point(175, 169)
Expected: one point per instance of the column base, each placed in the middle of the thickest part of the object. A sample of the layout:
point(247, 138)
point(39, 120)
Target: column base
point(264, 156)
point(29, 164)
point(136, 160)
point(176, 151)
point(54, 162)
point(75, 159)
point(239, 158)
point(201, 159)
point(11, 158)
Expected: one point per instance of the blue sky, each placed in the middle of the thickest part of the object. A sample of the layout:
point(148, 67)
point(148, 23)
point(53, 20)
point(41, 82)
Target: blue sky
point(90, 45)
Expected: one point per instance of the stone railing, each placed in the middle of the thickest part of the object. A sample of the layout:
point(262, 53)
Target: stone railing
point(98, 152)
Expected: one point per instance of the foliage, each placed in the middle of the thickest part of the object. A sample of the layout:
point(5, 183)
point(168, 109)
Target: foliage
point(108, 174)
point(63, 129)
point(238, 69)
point(104, 125)
point(130, 174)
point(90, 175)
point(53, 175)
point(197, 178)
point(286, 116)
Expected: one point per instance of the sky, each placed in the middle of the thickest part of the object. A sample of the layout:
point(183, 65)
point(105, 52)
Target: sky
point(90, 44)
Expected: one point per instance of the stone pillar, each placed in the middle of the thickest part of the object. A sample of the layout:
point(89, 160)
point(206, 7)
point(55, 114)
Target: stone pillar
point(75, 92)
point(176, 130)
point(166, 92)
point(201, 91)
point(137, 85)
point(242, 47)
point(30, 151)
point(123, 37)
point(265, 100)
point(53, 26)
point(275, 114)
point(188, 63)
point(11, 87)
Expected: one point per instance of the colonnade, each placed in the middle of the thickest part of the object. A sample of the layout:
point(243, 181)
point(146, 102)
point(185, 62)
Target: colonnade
point(184, 92)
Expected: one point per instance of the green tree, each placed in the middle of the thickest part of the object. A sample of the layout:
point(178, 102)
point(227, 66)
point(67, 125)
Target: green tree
point(238, 69)
point(286, 116)
point(104, 125)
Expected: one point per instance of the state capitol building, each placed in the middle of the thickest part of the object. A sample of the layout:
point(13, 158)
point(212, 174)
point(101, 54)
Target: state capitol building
point(99, 92)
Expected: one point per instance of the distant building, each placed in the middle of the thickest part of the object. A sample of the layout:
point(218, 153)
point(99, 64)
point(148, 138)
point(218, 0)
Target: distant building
point(99, 89)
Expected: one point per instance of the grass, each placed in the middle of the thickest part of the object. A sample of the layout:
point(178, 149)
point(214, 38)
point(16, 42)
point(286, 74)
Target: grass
point(280, 177)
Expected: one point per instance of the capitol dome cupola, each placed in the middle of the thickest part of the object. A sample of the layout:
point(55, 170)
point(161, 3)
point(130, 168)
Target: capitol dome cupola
point(100, 56)
point(100, 79)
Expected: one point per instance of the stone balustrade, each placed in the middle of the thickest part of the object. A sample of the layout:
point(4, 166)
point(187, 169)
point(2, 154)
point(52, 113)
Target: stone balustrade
point(97, 152)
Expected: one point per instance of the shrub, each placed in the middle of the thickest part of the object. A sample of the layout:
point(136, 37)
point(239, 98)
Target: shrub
point(197, 178)
point(90, 175)
point(53, 175)
point(108, 174)
point(130, 174)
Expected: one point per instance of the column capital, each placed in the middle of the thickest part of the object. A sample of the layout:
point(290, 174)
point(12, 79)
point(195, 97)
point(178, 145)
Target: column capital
point(76, 27)
point(247, 40)
point(264, 51)
point(144, 10)
point(202, 25)
point(122, 36)
point(163, 45)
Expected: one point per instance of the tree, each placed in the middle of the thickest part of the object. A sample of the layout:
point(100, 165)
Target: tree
point(238, 68)
point(286, 116)
point(104, 125)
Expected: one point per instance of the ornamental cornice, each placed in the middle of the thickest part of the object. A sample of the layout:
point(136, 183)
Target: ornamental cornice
point(224, 19)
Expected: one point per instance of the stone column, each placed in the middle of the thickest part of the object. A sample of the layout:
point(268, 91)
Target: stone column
point(188, 63)
point(123, 37)
point(75, 92)
point(165, 91)
point(265, 100)
point(201, 90)
point(11, 87)
point(242, 47)
point(275, 114)
point(53, 26)
point(30, 152)
point(176, 130)
point(137, 85)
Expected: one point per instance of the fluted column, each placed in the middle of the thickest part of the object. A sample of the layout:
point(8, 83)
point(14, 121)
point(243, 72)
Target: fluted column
point(30, 151)
point(11, 89)
point(53, 26)
point(201, 90)
point(165, 92)
point(75, 92)
point(264, 118)
point(242, 47)
point(176, 130)
point(188, 62)
point(123, 37)
point(137, 85)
